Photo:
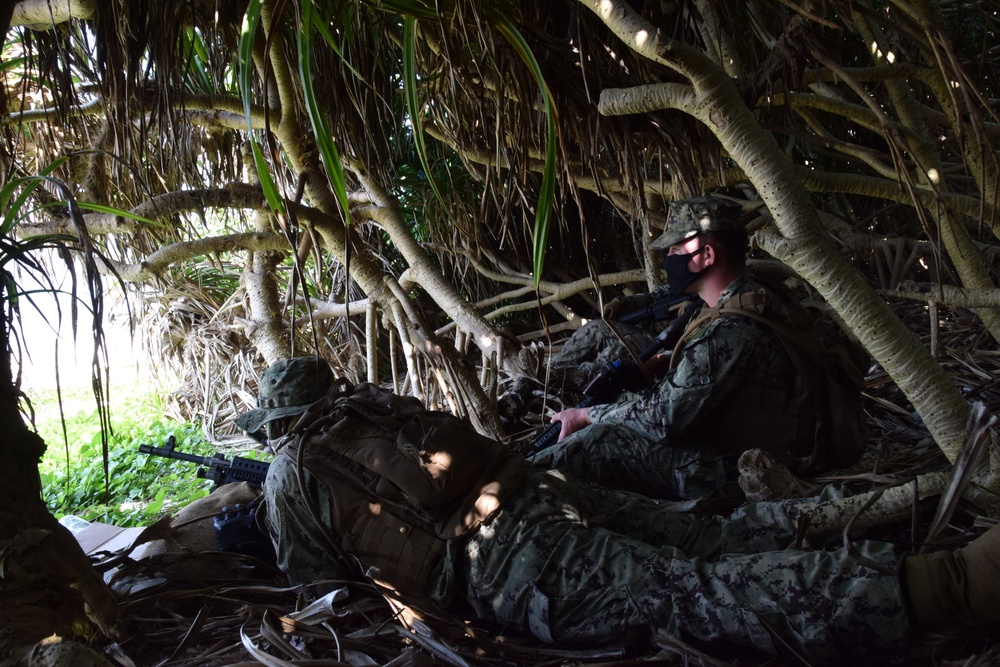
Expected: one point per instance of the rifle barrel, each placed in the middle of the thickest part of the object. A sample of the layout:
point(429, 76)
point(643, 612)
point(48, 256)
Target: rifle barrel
point(658, 309)
point(171, 453)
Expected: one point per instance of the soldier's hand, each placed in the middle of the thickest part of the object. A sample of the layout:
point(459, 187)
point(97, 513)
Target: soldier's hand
point(612, 309)
point(573, 419)
point(658, 364)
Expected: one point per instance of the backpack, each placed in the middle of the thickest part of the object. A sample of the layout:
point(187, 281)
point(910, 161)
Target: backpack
point(830, 370)
point(404, 481)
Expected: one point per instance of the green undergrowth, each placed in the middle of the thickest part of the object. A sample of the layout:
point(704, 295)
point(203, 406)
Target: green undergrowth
point(140, 488)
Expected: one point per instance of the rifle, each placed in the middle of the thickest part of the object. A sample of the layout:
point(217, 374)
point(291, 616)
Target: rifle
point(610, 380)
point(218, 468)
point(660, 308)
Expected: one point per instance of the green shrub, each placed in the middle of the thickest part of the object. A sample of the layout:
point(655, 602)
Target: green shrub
point(140, 487)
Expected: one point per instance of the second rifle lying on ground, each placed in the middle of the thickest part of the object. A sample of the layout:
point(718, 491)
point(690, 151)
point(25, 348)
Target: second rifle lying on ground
point(217, 468)
point(611, 380)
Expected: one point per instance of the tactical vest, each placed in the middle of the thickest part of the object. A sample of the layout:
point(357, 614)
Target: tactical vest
point(404, 481)
point(822, 425)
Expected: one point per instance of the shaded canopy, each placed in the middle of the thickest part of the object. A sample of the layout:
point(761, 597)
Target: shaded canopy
point(433, 195)
point(501, 167)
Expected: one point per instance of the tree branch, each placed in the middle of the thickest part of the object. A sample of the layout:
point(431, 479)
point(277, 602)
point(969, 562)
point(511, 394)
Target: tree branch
point(176, 253)
point(43, 14)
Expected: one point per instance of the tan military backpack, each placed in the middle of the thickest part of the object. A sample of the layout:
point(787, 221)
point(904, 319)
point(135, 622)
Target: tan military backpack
point(404, 481)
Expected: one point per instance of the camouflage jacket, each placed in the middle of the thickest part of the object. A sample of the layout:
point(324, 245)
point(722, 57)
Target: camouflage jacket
point(714, 365)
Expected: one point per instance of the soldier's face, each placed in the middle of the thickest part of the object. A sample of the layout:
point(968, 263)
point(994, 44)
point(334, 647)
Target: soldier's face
point(698, 261)
point(279, 427)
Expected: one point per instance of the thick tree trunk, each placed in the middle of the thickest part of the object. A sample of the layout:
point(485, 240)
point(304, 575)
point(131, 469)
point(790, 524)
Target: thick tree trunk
point(47, 584)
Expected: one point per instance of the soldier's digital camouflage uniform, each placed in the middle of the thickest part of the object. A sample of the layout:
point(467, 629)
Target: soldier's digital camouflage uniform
point(673, 440)
point(575, 564)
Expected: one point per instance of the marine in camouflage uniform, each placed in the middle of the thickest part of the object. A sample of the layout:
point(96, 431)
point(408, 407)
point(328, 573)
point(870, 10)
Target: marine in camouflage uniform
point(574, 564)
point(577, 565)
point(657, 441)
point(729, 386)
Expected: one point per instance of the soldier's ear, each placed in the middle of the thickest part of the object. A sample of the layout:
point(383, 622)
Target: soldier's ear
point(710, 255)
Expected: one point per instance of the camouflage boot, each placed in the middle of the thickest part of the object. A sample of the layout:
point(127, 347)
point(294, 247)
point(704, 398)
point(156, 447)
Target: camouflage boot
point(962, 585)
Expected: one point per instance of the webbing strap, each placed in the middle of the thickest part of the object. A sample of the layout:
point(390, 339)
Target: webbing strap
point(762, 307)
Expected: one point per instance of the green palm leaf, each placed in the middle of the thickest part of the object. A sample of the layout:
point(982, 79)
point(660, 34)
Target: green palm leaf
point(251, 21)
point(321, 130)
point(546, 194)
point(413, 105)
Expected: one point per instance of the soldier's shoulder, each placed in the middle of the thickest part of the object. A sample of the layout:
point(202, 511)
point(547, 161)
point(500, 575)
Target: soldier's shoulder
point(735, 326)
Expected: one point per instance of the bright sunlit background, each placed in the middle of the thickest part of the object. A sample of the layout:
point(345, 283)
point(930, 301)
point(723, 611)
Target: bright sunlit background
point(46, 319)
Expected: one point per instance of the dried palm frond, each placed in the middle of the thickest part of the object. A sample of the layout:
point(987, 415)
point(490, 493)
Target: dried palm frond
point(969, 463)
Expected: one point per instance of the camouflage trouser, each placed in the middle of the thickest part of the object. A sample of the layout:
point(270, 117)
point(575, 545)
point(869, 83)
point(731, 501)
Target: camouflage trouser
point(617, 457)
point(549, 563)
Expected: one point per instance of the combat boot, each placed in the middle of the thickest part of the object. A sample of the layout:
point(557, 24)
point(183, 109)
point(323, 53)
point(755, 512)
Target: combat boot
point(962, 585)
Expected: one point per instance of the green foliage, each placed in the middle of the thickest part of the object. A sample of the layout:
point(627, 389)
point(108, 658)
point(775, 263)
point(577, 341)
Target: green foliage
point(413, 104)
point(417, 9)
point(142, 487)
point(211, 279)
point(546, 194)
point(321, 130)
point(247, 35)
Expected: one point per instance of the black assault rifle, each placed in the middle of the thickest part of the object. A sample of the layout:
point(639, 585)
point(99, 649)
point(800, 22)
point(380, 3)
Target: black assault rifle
point(218, 468)
point(610, 381)
point(661, 308)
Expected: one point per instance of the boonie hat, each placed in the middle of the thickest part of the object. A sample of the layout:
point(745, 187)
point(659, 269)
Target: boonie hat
point(287, 388)
point(690, 217)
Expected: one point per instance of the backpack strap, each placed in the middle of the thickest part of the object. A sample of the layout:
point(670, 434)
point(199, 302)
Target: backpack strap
point(762, 307)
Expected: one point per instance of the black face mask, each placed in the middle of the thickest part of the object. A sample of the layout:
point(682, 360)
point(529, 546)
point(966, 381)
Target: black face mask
point(678, 275)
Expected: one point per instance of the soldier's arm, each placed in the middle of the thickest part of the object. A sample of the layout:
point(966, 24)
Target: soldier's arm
point(711, 367)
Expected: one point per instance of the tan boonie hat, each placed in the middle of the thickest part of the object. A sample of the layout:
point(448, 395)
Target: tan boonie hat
point(690, 217)
point(287, 388)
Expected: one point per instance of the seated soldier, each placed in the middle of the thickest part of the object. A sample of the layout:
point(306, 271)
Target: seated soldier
point(371, 484)
point(732, 383)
